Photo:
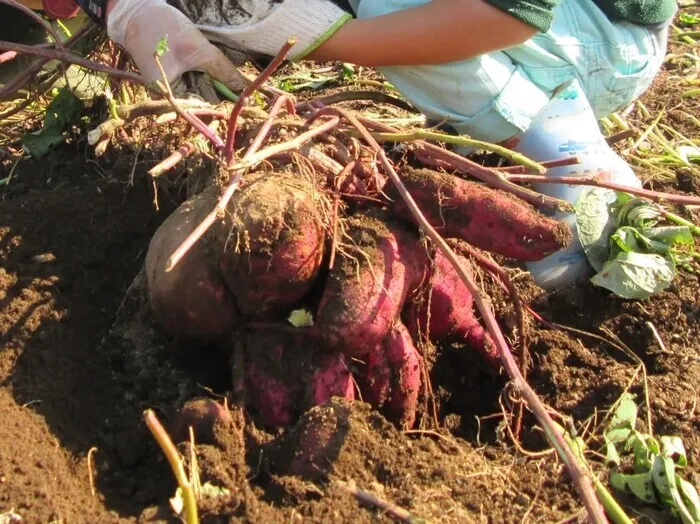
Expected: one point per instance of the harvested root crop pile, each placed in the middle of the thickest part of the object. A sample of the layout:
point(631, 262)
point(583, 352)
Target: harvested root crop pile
point(320, 266)
point(323, 230)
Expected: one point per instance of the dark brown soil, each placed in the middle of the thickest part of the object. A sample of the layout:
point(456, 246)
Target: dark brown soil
point(81, 358)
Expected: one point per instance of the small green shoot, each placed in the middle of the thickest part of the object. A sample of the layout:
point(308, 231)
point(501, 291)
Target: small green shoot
point(161, 46)
point(633, 252)
point(648, 467)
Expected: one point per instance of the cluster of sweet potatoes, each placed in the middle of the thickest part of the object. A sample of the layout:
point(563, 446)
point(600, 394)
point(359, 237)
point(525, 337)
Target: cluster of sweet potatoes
point(387, 292)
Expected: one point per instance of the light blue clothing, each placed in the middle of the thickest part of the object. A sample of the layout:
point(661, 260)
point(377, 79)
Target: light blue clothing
point(496, 96)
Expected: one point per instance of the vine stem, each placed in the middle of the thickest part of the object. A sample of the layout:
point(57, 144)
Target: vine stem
point(247, 93)
point(500, 273)
point(580, 477)
point(67, 56)
point(423, 134)
point(489, 176)
point(597, 181)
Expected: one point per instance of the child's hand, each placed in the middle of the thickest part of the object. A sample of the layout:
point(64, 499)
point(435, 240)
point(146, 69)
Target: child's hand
point(138, 26)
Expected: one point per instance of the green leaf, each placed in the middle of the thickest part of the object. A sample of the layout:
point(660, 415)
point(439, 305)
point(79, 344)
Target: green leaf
point(639, 444)
point(641, 485)
point(162, 46)
point(611, 454)
point(664, 474)
point(594, 224)
point(657, 240)
point(688, 19)
point(61, 111)
point(638, 213)
point(669, 235)
point(625, 239)
point(672, 447)
point(40, 143)
point(636, 275)
point(626, 412)
point(690, 497)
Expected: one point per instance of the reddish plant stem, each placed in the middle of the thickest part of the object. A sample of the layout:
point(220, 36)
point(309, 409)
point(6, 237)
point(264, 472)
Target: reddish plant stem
point(597, 181)
point(501, 274)
point(174, 159)
point(193, 120)
point(550, 164)
point(29, 74)
point(67, 56)
point(7, 56)
point(247, 92)
point(489, 176)
point(267, 125)
point(579, 476)
point(250, 159)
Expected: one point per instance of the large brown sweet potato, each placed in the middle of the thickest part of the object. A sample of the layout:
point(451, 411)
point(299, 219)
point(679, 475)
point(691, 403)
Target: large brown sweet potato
point(191, 299)
point(489, 219)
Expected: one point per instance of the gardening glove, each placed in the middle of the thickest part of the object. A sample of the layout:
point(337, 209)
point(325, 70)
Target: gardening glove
point(139, 25)
point(312, 22)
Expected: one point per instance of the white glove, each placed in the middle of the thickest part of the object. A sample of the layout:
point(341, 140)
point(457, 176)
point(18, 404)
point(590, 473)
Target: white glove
point(312, 22)
point(138, 26)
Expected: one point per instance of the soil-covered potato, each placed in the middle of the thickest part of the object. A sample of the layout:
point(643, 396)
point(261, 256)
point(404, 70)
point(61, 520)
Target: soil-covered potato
point(286, 375)
point(366, 289)
point(273, 242)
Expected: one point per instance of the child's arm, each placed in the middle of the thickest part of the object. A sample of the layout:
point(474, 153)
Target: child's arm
point(438, 32)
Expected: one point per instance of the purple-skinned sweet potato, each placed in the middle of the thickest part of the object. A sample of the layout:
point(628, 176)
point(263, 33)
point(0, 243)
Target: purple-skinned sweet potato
point(366, 289)
point(273, 242)
point(444, 310)
point(191, 299)
point(285, 375)
point(489, 219)
point(331, 379)
point(391, 377)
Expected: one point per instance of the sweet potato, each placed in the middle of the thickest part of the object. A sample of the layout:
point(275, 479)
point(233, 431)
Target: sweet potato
point(445, 310)
point(274, 243)
point(191, 299)
point(202, 415)
point(490, 219)
point(366, 289)
point(391, 379)
point(311, 447)
point(286, 375)
point(332, 379)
